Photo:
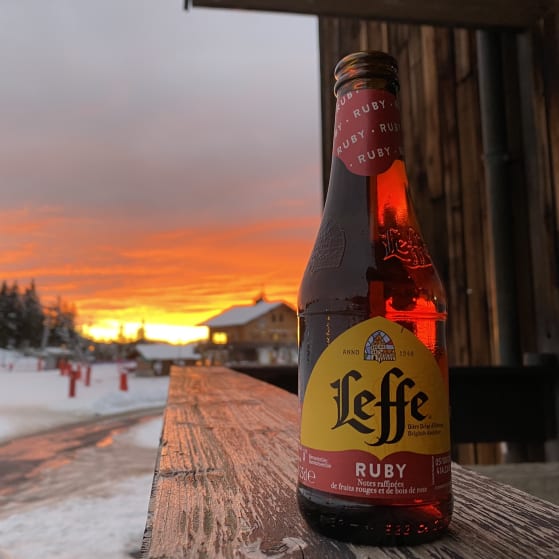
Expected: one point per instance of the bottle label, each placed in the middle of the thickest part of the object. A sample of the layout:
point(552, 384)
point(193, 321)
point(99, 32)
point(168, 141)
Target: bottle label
point(367, 136)
point(375, 417)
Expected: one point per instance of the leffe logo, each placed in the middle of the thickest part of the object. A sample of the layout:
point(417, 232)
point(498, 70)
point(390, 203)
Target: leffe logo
point(379, 347)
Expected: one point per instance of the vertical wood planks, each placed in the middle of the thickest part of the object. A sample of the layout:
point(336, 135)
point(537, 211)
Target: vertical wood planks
point(540, 90)
point(472, 188)
point(338, 37)
point(457, 325)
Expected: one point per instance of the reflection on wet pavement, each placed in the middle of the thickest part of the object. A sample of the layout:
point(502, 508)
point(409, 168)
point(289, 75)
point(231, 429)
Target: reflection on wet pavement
point(103, 443)
point(26, 462)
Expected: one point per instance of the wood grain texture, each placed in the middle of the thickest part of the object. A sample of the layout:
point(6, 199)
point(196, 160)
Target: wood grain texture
point(476, 13)
point(224, 486)
point(539, 56)
point(474, 214)
point(456, 284)
point(328, 33)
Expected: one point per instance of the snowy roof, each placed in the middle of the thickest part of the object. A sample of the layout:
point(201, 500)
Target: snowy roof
point(168, 351)
point(58, 350)
point(242, 314)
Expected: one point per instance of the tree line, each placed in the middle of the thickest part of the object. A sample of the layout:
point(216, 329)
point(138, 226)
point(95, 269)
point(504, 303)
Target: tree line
point(26, 322)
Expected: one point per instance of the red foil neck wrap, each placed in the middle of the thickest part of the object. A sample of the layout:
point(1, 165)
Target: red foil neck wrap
point(367, 136)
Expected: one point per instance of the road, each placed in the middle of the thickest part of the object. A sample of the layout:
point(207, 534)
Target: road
point(73, 459)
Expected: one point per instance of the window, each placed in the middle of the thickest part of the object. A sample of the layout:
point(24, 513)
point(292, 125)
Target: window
point(219, 338)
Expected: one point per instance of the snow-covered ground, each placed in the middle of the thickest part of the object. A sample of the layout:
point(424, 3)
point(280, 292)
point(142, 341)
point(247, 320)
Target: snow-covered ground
point(94, 505)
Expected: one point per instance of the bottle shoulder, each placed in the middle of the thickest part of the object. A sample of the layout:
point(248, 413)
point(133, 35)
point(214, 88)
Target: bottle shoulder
point(358, 286)
point(369, 248)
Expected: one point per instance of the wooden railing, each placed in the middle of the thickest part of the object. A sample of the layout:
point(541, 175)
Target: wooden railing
point(489, 404)
point(224, 486)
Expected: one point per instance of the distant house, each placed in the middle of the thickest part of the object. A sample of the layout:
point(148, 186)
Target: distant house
point(156, 359)
point(263, 333)
point(52, 357)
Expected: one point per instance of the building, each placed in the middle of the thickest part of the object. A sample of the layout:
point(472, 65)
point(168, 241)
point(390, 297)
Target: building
point(52, 357)
point(156, 359)
point(264, 333)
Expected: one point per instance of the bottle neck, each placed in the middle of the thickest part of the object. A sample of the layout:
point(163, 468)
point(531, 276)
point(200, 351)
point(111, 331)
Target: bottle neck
point(368, 182)
point(368, 147)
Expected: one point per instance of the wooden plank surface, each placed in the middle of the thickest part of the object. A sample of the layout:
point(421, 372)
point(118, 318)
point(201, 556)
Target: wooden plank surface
point(225, 480)
point(477, 13)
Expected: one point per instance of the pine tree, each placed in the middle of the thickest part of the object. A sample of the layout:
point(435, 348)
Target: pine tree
point(4, 331)
point(33, 317)
point(13, 316)
point(23, 319)
point(63, 323)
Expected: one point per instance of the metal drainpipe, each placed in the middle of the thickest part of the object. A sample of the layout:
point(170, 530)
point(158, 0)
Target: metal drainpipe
point(501, 261)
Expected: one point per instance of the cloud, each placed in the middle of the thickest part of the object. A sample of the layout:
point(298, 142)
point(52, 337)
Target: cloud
point(154, 160)
point(191, 271)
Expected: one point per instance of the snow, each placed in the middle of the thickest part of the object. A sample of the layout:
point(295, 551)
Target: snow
point(31, 401)
point(145, 435)
point(72, 528)
point(104, 517)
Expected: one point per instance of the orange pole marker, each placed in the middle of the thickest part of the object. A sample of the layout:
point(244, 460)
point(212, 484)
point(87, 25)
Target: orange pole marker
point(72, 388)
point(123, 381)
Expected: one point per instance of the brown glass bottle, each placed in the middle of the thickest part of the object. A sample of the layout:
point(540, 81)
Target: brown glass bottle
point(370, 261)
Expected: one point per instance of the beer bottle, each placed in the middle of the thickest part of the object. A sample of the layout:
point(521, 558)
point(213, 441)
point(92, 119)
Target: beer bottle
point(374, 461)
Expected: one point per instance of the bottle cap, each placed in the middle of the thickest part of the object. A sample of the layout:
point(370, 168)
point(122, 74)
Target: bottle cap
point(366, 65)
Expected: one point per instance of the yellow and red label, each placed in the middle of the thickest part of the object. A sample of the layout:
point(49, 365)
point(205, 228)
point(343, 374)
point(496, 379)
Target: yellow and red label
point(375, 417)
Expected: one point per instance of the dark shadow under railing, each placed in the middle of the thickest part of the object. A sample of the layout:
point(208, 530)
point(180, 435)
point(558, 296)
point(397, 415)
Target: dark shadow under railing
point(488, 403)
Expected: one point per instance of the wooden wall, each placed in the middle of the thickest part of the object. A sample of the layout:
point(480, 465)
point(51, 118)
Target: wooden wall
point(442, 123)
point(540, 91)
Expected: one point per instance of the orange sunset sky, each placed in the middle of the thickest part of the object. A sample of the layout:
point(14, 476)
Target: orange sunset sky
point(157, 164)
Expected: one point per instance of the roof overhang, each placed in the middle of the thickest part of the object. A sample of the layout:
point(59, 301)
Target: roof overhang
point(456, 13)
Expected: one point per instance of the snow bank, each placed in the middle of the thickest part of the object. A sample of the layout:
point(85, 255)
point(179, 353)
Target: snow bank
point(86, 525)
point(32, 400)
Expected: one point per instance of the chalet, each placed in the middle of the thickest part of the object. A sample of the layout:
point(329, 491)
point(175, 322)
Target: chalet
point(52, 357)
point(263, 333)
point(156, 359)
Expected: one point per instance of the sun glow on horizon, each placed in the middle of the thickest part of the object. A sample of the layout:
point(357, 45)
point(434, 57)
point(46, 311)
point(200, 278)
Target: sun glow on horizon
point(123, 324)
point(112, 330)
point(176, 314)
